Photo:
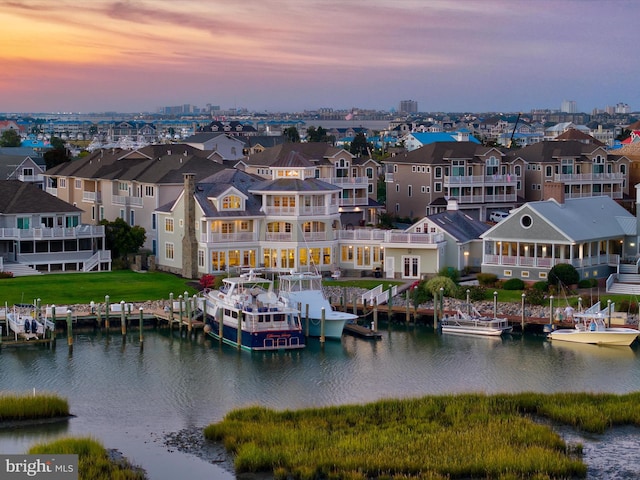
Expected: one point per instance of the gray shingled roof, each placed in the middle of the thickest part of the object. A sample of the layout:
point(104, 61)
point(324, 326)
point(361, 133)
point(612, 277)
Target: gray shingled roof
point(295, 185)
point(587, 218)
point(552, 151)
point(17, 197)
point(459, 225)
point(313, 151)
point(154, 164)
point(438, 153)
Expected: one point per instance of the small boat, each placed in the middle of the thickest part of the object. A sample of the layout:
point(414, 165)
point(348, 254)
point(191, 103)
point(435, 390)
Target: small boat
point(299, 289)
point(590, 328)
point(22, 323)
point(473, 323)
point(251, 315)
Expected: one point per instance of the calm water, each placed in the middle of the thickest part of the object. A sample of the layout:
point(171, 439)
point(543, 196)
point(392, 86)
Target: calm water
point(131, 398)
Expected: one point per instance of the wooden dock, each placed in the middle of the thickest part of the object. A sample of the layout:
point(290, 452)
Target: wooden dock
point(361, 332)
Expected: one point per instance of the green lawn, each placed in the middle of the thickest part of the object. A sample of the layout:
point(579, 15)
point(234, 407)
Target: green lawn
point(72, 288)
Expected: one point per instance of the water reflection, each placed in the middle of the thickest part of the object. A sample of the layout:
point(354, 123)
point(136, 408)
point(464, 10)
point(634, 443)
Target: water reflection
point(131, 397)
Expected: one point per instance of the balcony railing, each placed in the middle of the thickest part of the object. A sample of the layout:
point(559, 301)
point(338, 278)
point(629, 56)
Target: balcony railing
point(52, 191)
point(126, 200)
point(91, 197)
point(390, 236)
point(342, 181)
point(479, 180)
point(30, 178)
point(212, 237)
point(279, 236)
point(614, 195)
point(506, 197)
point(548, 262)
point(353, 201)
point(302, 210)
point(589, 177)
point(82, 231)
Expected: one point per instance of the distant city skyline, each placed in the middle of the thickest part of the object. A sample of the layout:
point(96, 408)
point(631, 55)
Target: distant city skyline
point(291, 56)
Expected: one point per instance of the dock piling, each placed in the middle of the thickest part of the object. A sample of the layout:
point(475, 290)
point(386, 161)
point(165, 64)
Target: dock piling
point(123, 322)
point(141, 325)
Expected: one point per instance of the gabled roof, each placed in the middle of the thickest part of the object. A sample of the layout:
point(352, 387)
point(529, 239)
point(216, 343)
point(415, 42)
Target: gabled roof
point(18, 197)
point(295, 185)
point(293, 159)
point(313, 151)
point(550, 150)
point(459, 225)
point(578, 219)
point(575, 134)
point(153, 164)
point(441, 152)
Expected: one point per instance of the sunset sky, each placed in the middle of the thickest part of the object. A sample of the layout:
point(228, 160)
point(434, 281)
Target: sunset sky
point(294, 55)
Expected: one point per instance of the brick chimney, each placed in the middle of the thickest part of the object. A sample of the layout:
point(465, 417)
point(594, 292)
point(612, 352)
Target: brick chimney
point(189, 241)
point(553, 190)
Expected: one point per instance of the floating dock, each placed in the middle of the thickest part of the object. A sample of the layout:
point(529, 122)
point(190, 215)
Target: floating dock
point(361, 332)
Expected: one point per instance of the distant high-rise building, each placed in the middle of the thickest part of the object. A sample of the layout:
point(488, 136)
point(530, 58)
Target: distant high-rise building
point(408, 106)
point(569, 106)
point(622, 108)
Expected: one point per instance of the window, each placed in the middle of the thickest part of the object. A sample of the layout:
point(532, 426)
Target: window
point(168, 251)
point(492, 165)
point(409, 190)
point(369, 172)
point(508, 273)
point(23, 223)
point(566, 166)
point(132, 218)
point(437, 187)
point(149, 191)
point(78, 184)
point(457, 168)
point(423, 189)
point(27, 172)
point(72, 221)
point(201, 258)
point(548, 171)
point(438, 172)
point(231, 202)
point(168, 225)
point(370, 188)
point(397, 187)
point(123, 187)
point(153, 221)
point(62, 182)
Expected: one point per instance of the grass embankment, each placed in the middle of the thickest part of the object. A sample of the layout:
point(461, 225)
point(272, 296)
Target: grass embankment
point(436, 437)
point(94, 461)
point(73, 288)
point(32, 407)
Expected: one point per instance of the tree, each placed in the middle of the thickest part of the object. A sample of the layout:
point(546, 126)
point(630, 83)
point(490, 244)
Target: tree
point(56, 155)
point(291, 135)
point(359, 146)
point(10, 138)
point(123, 239)
point(317, 134)
point(563, 274)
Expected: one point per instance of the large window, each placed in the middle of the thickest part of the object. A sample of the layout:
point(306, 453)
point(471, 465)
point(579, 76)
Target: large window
point(231, 202)
point(168, 225)
point(411, 267)
point(492, 166)
point(457, 168)
point(168, 251)
point(23, 223)
point(566, 166)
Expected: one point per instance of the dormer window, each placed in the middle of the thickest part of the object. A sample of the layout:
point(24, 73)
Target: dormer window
point(231, 202)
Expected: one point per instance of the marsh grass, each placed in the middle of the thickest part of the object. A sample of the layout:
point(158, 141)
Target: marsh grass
point(32, 407)
point(94, 461)
point(436, 437)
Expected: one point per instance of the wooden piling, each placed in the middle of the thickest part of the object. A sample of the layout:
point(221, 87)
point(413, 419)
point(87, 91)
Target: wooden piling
point(219, 315)
point(239, 332)
point(123, 322)
point(141, 325)
point(106, 312)
point(375, 315)
point(322, 321)
point(69, 329)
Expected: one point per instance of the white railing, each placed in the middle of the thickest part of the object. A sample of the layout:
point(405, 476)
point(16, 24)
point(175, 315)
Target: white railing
point(548, 262)
point(1, 264)
point(81, 231)
point(315, 235)
point(588, 177)
point(269, 210)
point(483, 198)
point(319, 210)
point(98, 257)
point(377, 296)
point(91, 196)
point(414, 238)
point(361, 234)
point(52, 191)
point(351, 201)
point(278, 237)
point(30, 178)
point(126, 200)
point(346, 180)
point(212, 237)
point(467, 180)
point(615, 194)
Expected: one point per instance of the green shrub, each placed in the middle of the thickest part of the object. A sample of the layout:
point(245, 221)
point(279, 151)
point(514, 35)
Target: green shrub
point(541, 286)
point(487, 279)
point(513, 284)
point(587, 283)
point(420, 294)
point(535, 296)
point(434, 285)
point(451, 273)
point(477, 293)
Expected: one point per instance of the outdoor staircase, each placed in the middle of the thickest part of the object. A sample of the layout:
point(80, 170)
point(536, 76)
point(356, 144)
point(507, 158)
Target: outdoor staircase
point(20, 270)
point(626, 281)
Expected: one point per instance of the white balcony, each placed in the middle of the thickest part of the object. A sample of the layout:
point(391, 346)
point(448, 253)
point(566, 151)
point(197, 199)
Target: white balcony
point(126, 200)
point(212, 237)
point(346, 181)
point(52, 191)
point(570, 178)
point(81, 231)
point(548, 262)
point(480, 180)
point(91, 197)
